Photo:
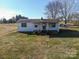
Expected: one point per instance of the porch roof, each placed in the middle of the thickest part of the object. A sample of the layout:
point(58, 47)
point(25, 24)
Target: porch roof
point(37, 21)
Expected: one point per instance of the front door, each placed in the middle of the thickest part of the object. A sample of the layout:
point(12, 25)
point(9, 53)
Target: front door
point(44, 27)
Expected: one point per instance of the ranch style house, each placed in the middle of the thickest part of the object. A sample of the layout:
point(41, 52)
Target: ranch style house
point(37, 25)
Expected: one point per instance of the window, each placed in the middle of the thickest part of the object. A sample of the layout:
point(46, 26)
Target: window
point(23, 25)
point(52, 25)
point(36, 26)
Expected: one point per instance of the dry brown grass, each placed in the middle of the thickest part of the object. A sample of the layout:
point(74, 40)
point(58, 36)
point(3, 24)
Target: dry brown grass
point(15, 45)
point(7, 28)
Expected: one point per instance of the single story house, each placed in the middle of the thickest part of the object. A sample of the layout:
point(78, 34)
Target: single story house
point(37, 25)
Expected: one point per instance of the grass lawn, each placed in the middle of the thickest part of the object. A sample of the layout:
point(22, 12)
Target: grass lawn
point(15, 45)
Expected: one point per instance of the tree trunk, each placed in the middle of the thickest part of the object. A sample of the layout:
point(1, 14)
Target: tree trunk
point(65, 21)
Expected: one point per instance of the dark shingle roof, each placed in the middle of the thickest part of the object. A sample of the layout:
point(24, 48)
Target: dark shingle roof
point(37, 21)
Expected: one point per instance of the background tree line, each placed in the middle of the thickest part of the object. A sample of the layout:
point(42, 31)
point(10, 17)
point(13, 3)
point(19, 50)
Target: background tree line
point(13, 19)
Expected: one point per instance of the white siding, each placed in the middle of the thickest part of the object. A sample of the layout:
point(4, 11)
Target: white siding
point(37, 28)
point(53, 28)
point(31, 27)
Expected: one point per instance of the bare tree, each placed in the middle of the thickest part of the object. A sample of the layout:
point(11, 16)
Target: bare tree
point(53, 9)
point(67, 7)
point(60, 8)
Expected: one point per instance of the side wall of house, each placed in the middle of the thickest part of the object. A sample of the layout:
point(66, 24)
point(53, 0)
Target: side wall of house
point(38, 28)
point(56, 28)
point(29, 27)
